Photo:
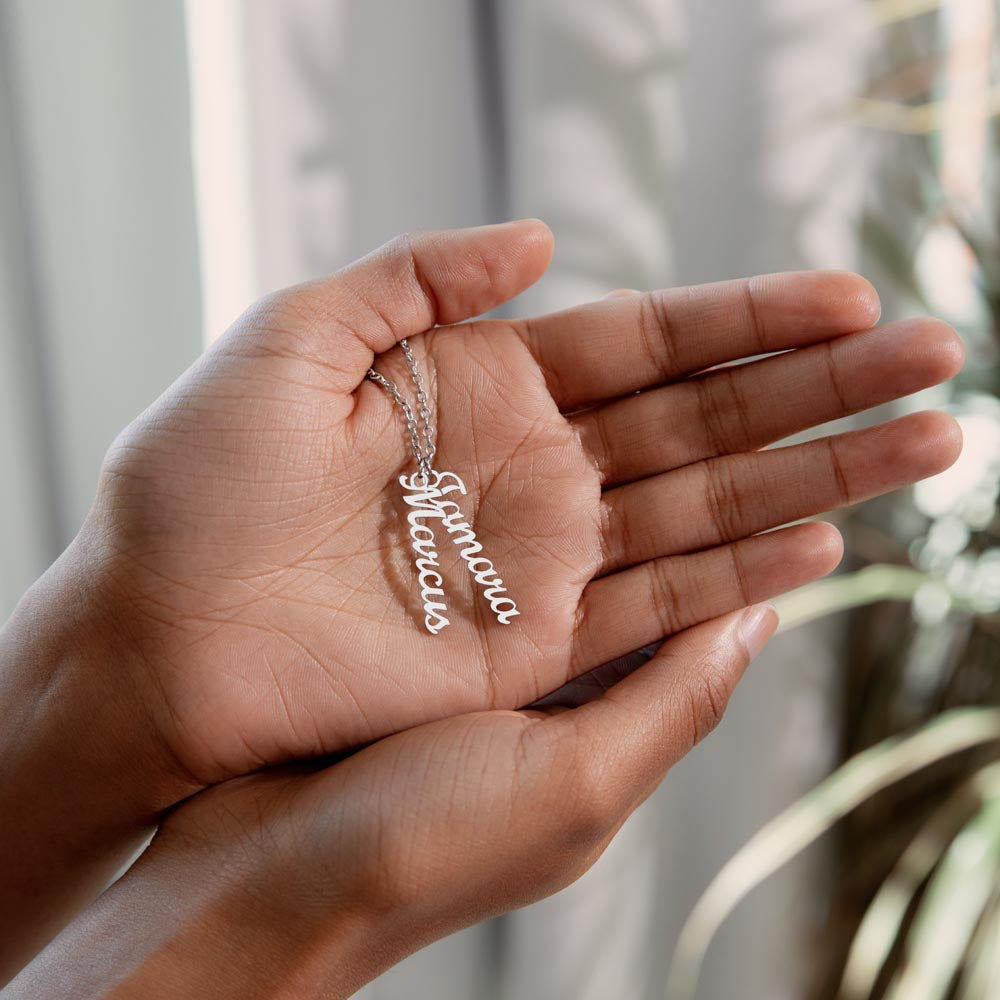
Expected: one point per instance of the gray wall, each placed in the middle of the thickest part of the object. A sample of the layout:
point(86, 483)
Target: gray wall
point(99, 297)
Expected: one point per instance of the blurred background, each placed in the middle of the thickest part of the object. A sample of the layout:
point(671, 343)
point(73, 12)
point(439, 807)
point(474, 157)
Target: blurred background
point(162, 164)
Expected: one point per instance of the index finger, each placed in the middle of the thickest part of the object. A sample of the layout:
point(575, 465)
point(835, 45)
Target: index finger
point(625, 343)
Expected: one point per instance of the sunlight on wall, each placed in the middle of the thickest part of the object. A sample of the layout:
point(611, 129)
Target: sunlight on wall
point(220, 150)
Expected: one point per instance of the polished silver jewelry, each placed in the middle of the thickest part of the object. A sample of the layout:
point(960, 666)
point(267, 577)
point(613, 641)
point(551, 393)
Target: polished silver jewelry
point(427, 493)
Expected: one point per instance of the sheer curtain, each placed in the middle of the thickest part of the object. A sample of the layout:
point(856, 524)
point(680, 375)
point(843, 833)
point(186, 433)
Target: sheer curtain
point(664, 142)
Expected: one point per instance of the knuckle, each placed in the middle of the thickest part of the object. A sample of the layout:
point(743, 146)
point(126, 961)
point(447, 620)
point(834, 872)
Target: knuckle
point(665, 597)
point(722, 494)
point(595, 440)
point(841, 483)
point(614, 537)
point(131, 469)
point(835, 378)
point(711, 407)
point(708, 697)
point(754, 320)
point(412, 261)
point(740, 407)
point(401, 250)
point(486, 271)
point(283, 323)
point(742, 583)
point(657, 336)
point(284, 308)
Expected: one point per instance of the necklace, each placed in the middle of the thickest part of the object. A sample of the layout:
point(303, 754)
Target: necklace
point(428, 495)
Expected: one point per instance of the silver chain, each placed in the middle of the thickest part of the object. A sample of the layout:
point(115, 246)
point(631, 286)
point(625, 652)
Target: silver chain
point(421, 434)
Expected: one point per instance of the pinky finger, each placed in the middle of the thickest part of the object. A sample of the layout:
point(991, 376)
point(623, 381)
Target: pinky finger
point(642, 604)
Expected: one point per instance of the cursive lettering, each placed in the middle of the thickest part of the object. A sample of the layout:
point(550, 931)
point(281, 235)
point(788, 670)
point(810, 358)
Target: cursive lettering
point(425, 495)
point(420, 495)
point(469, 548)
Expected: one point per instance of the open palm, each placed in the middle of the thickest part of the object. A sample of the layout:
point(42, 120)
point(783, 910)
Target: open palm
point(257, 541)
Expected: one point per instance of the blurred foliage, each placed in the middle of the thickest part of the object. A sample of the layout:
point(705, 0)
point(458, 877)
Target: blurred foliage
point(914, 813)
point(860, 779)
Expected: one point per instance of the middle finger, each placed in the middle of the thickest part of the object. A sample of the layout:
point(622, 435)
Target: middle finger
point(745, 407)
point(724, 499)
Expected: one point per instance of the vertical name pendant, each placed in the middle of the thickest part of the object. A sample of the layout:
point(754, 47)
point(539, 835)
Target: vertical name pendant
point(427, 497)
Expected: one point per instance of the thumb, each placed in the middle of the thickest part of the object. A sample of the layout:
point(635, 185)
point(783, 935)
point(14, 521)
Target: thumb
point(413, 283)
point(626, 740)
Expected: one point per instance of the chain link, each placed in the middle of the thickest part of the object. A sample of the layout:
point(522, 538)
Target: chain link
point(421, 434)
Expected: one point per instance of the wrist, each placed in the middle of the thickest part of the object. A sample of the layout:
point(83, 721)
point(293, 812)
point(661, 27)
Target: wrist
point(71, 671)
point(198, 919)
point(277, 893)
point(83, 776)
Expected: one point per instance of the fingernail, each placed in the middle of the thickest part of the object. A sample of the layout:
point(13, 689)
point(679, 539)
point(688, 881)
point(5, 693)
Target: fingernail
point(622, 293)
point(521, 222)
point(757, 626)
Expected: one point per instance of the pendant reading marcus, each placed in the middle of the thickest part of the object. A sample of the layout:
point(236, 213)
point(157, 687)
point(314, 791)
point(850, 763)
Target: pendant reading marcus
point(426, 496)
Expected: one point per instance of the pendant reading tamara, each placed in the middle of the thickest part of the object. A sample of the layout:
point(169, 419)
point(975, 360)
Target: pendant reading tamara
point(426, 495)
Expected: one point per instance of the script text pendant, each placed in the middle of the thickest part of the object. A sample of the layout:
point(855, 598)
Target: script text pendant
point(427, 495)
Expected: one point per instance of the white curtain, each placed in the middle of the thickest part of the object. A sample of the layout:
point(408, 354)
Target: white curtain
point(664, 142)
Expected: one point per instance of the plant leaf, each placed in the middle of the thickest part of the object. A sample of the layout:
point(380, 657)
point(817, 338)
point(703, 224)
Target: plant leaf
point(886, 12)
point(815, 813)
point(880, 927)
point(879, 582)
point(950, 911)
point(982, 978)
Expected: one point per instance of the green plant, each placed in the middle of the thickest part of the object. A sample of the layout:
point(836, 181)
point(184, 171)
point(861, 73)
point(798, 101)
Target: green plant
point(950, 851)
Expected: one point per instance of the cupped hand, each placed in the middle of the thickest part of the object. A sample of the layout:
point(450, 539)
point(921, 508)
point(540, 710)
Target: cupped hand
point(253, 540)
point(309, 884)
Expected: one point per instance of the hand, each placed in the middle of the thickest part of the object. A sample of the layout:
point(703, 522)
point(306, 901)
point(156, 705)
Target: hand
point(243, 594)
point(285, 884)
point(253, 534)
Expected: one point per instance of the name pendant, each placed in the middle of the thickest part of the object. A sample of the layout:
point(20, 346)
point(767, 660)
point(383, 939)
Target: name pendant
point(426, 495)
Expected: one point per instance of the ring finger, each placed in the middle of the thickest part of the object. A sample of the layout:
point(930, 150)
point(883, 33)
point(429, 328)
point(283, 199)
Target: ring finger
point(745, 407)
point(624, 611)
point(728, 498)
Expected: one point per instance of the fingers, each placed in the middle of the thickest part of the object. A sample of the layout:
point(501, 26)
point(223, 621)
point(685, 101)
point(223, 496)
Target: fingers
point(745, 407)
point(629, 342)
point(414, 283)
point(630, 736)
point(627, 610)
point(727, 498)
